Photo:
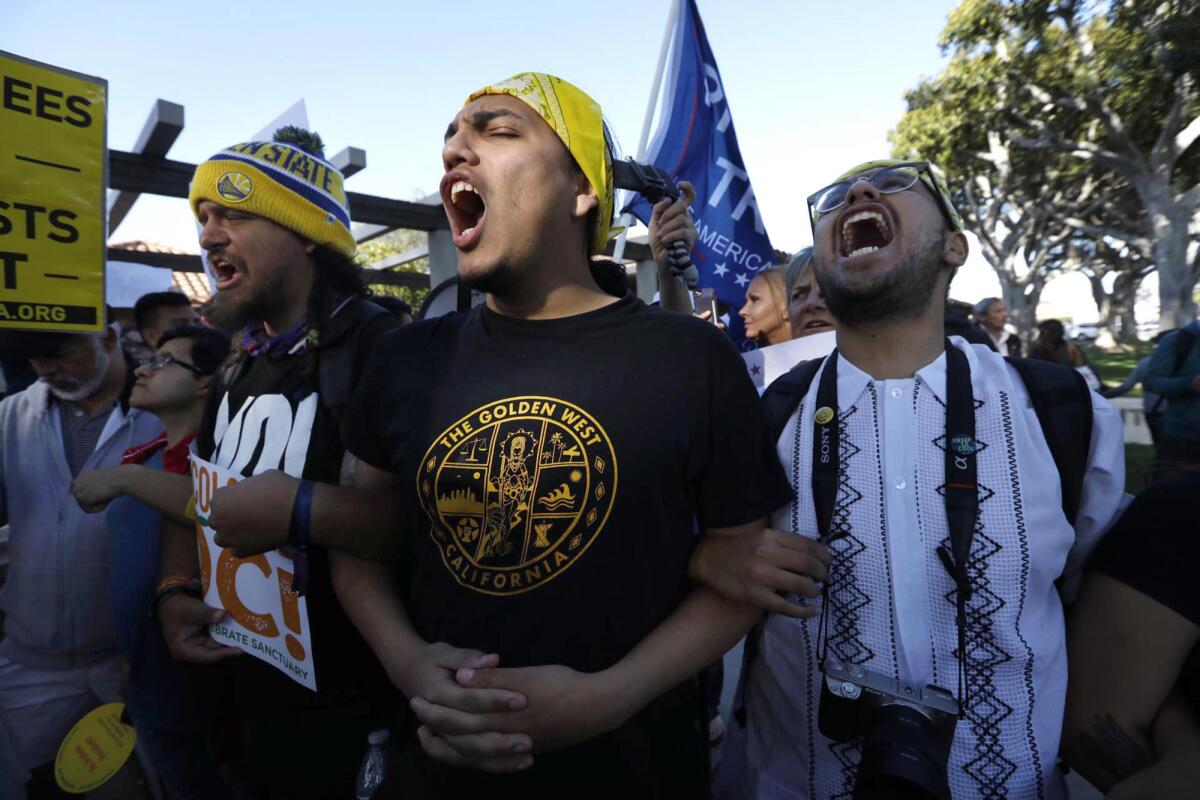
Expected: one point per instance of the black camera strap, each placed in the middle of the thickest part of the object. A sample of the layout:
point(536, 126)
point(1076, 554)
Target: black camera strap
point(960, 492)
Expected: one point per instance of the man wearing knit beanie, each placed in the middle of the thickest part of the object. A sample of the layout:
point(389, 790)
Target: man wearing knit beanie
point(275, 225)
point(544, 503)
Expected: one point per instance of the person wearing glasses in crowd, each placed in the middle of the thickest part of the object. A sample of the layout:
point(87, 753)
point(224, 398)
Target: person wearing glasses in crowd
point(151, 482)
point(934, 664)
point(59, 656)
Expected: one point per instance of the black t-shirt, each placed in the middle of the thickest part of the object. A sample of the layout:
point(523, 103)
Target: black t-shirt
point(271, 417)
point(1153, 547)
point(556, 472)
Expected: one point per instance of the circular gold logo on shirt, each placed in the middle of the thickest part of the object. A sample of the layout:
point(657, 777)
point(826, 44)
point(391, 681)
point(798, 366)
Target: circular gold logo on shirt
point(517, 491)
point(823, 415)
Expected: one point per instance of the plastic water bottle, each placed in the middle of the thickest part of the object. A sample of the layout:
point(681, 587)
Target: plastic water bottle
point(378, 760)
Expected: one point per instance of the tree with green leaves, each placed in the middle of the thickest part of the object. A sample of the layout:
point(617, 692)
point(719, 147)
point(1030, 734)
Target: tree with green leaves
point(382, 276)
point(1007, 196)
point(1114, 87)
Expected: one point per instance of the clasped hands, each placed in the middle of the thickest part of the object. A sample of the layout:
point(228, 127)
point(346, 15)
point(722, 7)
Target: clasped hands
point(477, 715)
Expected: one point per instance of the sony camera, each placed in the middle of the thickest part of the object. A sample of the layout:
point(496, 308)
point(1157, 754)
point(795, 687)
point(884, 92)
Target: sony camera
point(907, 732)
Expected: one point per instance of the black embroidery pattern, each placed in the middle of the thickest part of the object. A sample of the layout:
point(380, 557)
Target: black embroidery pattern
point(846, 599)
point(1019, 516)
point(884, 533)
point(985, 711)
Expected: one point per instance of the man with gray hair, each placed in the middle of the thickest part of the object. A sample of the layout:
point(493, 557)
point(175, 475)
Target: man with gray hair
point(58, 654)
point(992, 314)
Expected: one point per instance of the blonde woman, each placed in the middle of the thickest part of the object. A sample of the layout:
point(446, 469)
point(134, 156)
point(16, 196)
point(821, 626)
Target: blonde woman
point(765, 313)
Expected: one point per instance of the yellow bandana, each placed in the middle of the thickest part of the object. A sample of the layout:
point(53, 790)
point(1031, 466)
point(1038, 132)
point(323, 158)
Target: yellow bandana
point(579, 123)
point(937, 186)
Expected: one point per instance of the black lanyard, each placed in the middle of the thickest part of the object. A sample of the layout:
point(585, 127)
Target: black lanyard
point(960, 492)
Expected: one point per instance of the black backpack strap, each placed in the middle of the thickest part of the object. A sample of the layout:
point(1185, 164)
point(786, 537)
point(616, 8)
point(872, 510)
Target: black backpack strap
point(1063, 404)
point(785, 393)
point(338, 353)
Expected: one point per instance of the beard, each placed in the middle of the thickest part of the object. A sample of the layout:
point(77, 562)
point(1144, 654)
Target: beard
point(496, 279)
point(72, 390)
point(902, 292)
point(228, 314)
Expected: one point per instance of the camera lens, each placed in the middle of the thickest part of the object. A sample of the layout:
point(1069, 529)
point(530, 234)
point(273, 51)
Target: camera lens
point(904, 756)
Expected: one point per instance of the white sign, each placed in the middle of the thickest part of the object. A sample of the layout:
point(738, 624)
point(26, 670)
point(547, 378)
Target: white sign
point(767, 363)
point(126, 281)
point(265, 617)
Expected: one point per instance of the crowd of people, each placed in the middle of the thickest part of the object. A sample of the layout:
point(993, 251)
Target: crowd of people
point(524, 533)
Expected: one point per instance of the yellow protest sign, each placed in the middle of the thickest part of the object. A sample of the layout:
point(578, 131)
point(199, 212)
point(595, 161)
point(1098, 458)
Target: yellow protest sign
point(53, 177)
point(95, 749)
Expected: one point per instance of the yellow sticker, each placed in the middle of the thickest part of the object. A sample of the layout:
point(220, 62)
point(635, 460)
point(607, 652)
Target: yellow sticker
point(95, 749)
point(824, 415)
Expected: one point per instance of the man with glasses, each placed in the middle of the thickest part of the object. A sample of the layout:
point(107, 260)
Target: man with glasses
point(149, 488)
point(936, 664)
point(58, 655)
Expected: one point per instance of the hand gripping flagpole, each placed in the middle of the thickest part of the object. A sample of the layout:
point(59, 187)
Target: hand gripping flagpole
point(627, 219)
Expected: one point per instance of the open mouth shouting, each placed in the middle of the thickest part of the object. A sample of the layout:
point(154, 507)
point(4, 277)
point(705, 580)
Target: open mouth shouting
point(864, 231)
point(465, 209)
point(226, 273)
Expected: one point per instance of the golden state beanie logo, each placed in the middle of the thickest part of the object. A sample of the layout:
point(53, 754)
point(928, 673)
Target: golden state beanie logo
point(283, 183)
point(517, 491)
point(235, 187)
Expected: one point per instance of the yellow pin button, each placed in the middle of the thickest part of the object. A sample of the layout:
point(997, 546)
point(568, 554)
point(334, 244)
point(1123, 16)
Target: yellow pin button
point(95, 749)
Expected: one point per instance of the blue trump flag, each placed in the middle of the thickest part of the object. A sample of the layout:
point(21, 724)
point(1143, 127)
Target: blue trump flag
point(695, 141)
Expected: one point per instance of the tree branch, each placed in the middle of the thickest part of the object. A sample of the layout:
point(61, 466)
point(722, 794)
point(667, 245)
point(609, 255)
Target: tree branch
point(1050, 140)
point(1133, 241)
point(1188, 136)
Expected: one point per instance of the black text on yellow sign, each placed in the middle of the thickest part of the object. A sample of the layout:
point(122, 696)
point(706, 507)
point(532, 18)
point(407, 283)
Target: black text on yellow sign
point(53, 176)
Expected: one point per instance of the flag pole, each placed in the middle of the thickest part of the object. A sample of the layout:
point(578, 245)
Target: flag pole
point(627, 219)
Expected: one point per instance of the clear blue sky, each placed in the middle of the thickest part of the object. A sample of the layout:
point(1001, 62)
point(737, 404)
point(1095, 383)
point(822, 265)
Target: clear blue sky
point(812, 85)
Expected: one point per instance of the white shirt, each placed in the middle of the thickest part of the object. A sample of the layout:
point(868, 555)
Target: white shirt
point(892, 604)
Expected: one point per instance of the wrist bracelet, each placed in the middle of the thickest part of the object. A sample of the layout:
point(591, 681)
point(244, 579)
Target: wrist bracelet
point(300, 529)
point(300, 535)
point(170, 586)
point(173, 586)
point(175, 580)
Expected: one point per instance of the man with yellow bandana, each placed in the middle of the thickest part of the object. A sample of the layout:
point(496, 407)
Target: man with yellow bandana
point(937, 666)
point(539, 616)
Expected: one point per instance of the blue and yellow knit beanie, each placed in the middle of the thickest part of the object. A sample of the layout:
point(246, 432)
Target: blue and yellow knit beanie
point(287, 181)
